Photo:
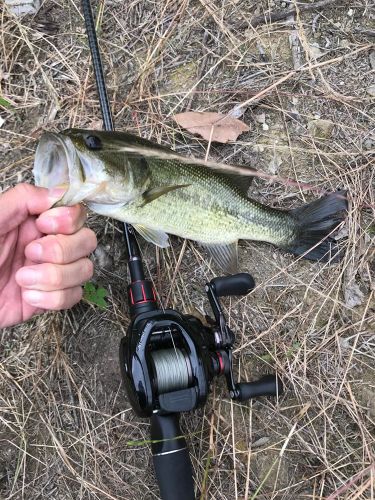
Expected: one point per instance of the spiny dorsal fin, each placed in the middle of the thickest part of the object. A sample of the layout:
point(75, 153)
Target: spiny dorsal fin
point(241, 182)
point(224, 255)
point(158, 238)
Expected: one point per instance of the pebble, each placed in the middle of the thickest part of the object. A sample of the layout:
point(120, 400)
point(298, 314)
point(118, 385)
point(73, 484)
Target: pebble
point(23, 7)
point(102, 257)
point(345, 44)
point(315, 50)
point(260, 118)
point(369, 143)
point(372, 59)
point(321, 129)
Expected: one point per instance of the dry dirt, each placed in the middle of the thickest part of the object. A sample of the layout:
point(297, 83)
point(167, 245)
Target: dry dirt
point(67, 430)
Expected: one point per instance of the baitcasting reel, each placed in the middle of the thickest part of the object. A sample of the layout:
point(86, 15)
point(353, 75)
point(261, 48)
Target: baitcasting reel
point(168, 361)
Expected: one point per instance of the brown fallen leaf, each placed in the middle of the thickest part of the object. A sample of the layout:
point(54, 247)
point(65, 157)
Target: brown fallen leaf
point(214, 127)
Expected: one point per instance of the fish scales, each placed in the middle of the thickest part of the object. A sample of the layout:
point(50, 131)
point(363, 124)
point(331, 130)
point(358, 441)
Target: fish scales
point(209, 210)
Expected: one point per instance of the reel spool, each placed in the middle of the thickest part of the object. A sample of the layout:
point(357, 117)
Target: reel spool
point(172, 370)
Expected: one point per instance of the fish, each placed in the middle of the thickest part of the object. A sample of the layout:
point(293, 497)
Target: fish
point(161, 193)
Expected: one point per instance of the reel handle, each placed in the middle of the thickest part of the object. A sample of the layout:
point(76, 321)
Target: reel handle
point(269, 385)
point(171, 458)
point(237, 284)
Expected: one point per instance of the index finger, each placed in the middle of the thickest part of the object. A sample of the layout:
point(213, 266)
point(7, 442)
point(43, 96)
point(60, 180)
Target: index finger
point(62, 220)
point(19, 202)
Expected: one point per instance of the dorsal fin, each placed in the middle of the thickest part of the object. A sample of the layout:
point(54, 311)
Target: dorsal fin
point(241, 182)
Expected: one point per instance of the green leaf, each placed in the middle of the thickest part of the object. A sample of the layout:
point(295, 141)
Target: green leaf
point(95, 295)
point(5, 103)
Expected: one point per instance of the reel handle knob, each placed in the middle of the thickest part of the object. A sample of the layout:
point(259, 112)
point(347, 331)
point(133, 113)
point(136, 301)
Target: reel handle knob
point(237, 284)
point(171, 458)
point(269, 385)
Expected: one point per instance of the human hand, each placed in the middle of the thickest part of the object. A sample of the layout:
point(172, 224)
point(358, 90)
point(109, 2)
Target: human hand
point(43, 253)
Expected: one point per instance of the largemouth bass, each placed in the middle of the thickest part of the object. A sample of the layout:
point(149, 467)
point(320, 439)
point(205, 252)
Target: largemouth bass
point(160, 192)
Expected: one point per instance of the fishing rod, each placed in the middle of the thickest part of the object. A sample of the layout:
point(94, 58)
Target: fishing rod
point(169, 360)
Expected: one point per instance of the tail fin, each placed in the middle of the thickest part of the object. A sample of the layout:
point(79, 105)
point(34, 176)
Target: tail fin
point(315, 221)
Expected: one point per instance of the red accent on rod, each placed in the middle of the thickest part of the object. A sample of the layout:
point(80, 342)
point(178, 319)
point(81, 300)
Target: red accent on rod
point(221, 363)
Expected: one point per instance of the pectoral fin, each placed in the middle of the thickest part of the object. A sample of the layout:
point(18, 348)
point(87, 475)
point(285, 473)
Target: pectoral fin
point(154, 193)
point(225, 256)
point(158, 238)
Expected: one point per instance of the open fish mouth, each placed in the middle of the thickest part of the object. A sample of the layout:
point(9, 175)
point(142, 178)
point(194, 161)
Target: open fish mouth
point(57, 165)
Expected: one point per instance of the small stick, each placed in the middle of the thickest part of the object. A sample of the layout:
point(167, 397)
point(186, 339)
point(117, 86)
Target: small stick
point(271, 17)
point(350, 483)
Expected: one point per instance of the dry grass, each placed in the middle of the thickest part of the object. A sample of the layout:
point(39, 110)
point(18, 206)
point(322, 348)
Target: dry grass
point(67, 430)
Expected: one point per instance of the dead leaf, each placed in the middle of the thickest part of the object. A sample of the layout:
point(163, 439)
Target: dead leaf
point(214, 127)
point(260, 442)
point(353, 295)
point(302, 411)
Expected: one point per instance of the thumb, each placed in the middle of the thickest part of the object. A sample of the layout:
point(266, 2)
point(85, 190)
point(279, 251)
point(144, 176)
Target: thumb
point(24, 200)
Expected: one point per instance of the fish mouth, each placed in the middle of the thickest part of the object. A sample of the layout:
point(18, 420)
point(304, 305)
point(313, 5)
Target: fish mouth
point(57, 165)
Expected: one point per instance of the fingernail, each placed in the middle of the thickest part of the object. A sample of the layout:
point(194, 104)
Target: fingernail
point(33, 297)
point(35, 251)
point(56, 194)
point(27, 277)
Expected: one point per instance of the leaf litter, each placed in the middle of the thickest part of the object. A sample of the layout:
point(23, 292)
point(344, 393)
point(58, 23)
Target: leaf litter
point(213, 127)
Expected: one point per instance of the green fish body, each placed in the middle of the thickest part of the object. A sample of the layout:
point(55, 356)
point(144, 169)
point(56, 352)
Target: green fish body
point(161, 193)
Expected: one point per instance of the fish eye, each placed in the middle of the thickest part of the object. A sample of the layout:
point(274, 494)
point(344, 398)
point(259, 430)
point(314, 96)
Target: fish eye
point(93, 142)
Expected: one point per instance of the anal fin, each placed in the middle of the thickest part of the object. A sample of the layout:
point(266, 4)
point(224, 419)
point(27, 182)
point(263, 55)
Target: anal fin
point(158, 238)
point(224, 255)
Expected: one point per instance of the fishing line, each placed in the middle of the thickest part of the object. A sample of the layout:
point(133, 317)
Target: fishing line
point(172, 370)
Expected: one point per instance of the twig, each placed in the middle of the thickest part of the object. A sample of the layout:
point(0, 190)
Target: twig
point(350, 483)
point(271, 17)
point(295, 45)
point(364, 32)
point(295, 72)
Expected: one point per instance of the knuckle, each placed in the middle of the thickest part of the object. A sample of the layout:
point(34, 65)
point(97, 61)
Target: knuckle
point(55, 276)
point(70, 220)
point(91, 239)
point(58, 301)
point(77, 217)
point(88, 269)
point(23, 189)
point(56, 248)
point(78, 295)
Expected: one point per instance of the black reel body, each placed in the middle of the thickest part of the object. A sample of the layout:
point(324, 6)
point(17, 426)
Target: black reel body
point(165, 363)
point(168, 359)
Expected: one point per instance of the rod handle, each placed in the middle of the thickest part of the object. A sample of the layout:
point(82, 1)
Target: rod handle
point(171, 458)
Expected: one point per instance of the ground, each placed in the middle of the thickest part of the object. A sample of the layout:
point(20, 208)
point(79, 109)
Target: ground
point(67, 429)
